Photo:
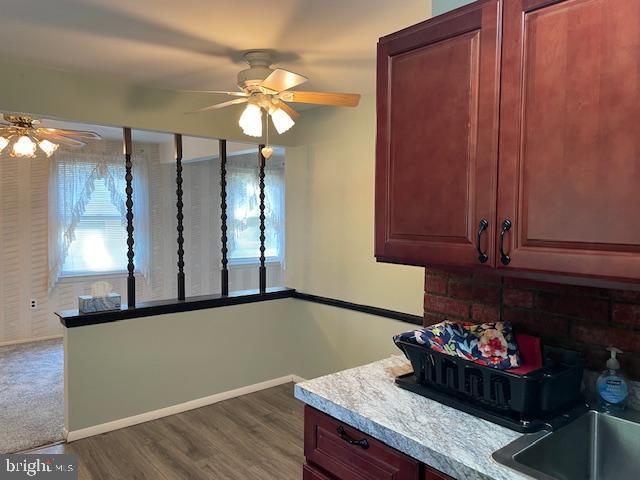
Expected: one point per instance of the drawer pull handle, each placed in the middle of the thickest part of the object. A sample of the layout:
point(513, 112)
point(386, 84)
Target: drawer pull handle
point(482, 257)
point(504, 258)
point(362, 443)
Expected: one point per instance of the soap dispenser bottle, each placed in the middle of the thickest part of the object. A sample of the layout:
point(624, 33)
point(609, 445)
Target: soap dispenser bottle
point(612, 385)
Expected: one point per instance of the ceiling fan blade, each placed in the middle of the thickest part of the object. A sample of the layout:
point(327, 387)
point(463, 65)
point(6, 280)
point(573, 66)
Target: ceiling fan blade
point(220, 105)
point(281, 79)
point(62, 140)
point(322, 98)
point(80, 134)
point(233, 94)
point(292, 113)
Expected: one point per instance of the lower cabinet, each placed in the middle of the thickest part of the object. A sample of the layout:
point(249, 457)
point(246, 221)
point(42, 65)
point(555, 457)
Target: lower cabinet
point(336, 451)
point(312, 473)
point(431, 474)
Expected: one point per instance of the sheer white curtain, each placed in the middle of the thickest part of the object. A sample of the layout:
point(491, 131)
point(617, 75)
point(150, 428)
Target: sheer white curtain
point(72, 180)
point(141, 217)
point(274, 199)
point(243, 207)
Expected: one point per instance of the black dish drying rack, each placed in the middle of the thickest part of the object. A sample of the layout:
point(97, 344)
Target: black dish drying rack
point(546, 398)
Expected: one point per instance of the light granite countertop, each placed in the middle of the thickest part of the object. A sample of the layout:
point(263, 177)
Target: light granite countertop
point(442, 437)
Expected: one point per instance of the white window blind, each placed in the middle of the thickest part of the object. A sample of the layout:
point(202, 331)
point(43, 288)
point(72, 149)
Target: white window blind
point(244, 214)
point(100, 244)
point(87, 215)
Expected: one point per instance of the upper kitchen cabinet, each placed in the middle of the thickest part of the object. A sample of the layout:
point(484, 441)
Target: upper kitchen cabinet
point(437, 111)
point(569, 144)
point(566, 201)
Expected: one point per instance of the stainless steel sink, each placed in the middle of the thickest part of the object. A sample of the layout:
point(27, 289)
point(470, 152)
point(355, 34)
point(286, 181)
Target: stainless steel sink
point(595, 446)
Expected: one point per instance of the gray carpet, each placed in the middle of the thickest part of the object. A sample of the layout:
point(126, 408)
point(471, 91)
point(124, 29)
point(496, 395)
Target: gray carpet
point(31, 395)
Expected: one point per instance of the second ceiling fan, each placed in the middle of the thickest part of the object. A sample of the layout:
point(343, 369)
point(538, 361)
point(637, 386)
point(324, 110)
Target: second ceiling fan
point(264, 88)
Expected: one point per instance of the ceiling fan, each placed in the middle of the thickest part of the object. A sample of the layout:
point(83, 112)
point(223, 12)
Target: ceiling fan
point(264, 88)
point(27, 136)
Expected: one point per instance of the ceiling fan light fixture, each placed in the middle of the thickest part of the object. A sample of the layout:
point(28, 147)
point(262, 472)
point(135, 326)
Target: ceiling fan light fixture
point(48, 147)
point(3, 143)
point(24, 147)
point(281, 120)
point(251, 120)
point(264, 87)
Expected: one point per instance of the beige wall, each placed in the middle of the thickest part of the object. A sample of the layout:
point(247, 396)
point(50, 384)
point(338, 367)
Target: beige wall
point(121, 369)
point(117, 370)
point(330, 214)
point(330, 339)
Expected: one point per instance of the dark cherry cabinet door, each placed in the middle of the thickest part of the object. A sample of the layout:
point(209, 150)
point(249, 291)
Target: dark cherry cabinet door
point(437, 135)
point(569, 170)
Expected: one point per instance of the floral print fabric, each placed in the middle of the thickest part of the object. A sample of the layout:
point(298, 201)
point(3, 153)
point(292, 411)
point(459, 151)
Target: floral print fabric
point(489, 344)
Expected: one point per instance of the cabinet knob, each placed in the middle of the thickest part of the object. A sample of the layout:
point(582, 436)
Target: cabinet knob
point(504, 258)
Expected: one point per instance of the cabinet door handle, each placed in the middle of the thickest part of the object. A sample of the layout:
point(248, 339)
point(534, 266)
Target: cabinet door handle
point(362, 443)
point(504, 258)
point(483, 257)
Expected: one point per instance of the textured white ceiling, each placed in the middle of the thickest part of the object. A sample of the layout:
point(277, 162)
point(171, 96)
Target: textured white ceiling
point(198, 43)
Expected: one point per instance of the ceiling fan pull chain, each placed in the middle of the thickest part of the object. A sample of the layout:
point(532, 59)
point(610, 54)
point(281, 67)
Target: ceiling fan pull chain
point(267, 150)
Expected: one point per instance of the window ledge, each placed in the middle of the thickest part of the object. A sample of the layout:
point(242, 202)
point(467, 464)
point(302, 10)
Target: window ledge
point(253, 262)
point(78, 277)
point(72, 318)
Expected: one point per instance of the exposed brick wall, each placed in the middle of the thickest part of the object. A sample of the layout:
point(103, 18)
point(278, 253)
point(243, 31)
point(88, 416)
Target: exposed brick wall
point(581, 318)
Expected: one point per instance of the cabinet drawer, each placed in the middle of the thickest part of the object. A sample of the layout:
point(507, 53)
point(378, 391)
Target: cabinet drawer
point(327, 444)
point(310, 473)
point(431, 474)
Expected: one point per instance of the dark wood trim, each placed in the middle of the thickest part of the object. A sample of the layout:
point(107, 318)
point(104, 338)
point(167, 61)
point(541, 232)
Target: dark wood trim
point(224, 272)
point(131, 280)
point(180, 217)
point(379, 312)
point(263, 268)
point(71, 318)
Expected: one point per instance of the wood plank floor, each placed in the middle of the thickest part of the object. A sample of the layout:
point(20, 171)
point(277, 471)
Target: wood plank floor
point(256, 436)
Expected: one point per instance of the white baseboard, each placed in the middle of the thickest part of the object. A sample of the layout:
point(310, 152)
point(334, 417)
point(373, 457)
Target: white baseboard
point(297, 379)
point(29, 340)
point(74, 435)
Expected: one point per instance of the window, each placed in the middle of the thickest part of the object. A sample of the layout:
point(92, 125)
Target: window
point(243, 207)
point(100, 243)
point(87, 215)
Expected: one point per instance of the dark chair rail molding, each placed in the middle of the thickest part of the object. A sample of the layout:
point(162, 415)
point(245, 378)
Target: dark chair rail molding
point(71, 318)
point(357, 307)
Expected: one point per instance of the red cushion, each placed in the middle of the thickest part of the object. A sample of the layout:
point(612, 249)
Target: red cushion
point(530, 352)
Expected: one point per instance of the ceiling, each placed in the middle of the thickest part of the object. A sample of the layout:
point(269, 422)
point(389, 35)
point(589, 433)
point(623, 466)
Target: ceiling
point(197, 44)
